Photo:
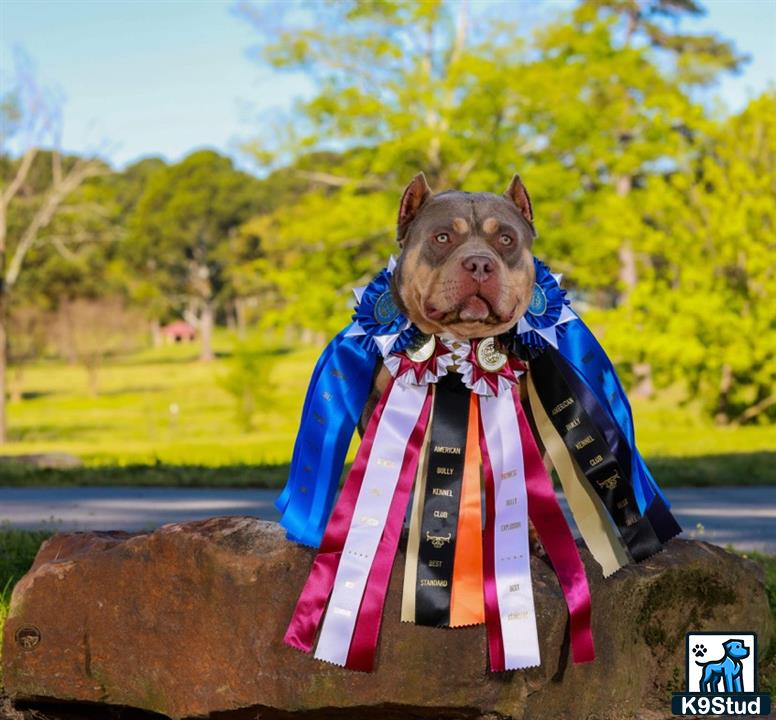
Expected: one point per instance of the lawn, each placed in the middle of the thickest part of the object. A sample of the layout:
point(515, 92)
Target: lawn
point(162, 418)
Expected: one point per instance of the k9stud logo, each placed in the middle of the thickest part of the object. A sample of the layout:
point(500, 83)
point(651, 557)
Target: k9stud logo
point(721, 674)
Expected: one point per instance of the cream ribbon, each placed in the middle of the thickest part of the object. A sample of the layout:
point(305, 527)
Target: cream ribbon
point(413, 542)
point(590, 515)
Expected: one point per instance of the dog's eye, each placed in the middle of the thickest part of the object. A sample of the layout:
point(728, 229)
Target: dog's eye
point(442, 238)
point(505, 240)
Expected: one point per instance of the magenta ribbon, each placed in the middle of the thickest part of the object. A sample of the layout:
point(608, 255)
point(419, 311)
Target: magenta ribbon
point(555, 534)
point(363, 645)
point(308, 612)
point(490, 594)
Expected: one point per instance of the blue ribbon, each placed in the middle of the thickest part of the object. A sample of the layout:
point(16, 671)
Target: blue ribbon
point(579, 347)
point(334, 402)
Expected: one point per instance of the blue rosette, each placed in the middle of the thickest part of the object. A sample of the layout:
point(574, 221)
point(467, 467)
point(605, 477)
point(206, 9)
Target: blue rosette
point(548, 312)
point(378, 324)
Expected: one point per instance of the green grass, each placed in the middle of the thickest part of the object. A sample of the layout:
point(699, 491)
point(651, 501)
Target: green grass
point(130, 434)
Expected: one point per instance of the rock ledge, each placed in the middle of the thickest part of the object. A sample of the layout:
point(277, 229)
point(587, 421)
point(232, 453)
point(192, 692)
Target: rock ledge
point(187, 621)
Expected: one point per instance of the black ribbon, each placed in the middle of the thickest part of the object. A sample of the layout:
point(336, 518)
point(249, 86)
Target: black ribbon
point(446, 456)
point(663, 522)
point(597, 447)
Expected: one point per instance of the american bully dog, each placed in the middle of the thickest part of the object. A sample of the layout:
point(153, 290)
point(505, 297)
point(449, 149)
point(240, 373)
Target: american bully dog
point(465, 266)
point(729, 669)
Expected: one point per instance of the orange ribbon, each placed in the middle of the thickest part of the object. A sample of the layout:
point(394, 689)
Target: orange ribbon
point(466, 601)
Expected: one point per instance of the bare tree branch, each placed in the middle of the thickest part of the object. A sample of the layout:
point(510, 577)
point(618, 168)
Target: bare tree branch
point(10, 192)
point(82, 170)
point(753, 411)
point(337, 180)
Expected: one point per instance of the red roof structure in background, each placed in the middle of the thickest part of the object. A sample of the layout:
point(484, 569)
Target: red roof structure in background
point(179, 331)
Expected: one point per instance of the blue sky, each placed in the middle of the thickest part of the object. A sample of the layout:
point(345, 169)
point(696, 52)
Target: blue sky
point(144, 77)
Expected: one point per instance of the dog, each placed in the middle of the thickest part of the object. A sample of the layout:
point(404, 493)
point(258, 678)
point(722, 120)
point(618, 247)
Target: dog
point(465, 266)
point(729, 669)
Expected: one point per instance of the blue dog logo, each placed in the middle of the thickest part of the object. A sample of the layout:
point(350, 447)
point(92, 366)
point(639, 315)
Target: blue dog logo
point(728, 669)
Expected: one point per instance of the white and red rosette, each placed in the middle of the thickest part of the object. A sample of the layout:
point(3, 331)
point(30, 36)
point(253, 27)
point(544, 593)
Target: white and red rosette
point(485, 368)
point(424, 362)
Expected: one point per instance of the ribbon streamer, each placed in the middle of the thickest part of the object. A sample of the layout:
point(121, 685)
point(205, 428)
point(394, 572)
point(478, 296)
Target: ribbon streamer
point(580, 349)
point(332, 409)
point(590, 515)
point(309, 608)
point(593, 455)
point(509, 603)
point(547, 517)
point(364, 644)
point(466, 600)
point(383, 471)
point(413, 541)
point(446, 455)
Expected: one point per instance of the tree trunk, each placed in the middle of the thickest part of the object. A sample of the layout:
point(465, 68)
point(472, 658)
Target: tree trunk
point(156, 333)
point(725, 384)
point(91, 370)
point(206, 322)
point(628, 274)
point(17, 392)
point(240, 311)
point(643, 386)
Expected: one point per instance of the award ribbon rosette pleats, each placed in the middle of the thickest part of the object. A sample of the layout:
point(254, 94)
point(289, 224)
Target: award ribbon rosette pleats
point(454, 445)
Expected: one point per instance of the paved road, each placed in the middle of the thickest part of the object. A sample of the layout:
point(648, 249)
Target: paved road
point(744, 517)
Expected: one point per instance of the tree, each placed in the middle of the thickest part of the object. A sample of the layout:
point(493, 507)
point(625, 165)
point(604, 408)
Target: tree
point(585, 109)
point(28, 337)
point(599, 111)
point(702, 312)
point(617, 107)
point(178, 228)
point(93, 330)
point(249, 379)
point(31, 116)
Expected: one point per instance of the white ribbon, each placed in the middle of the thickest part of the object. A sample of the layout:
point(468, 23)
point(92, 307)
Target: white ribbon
point(511, 549)
point(400, 415)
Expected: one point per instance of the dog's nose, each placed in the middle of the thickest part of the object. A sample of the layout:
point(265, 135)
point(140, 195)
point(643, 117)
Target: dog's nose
point(480, 266)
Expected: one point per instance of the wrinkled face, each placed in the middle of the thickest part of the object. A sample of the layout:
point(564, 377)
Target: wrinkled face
point(466, 264)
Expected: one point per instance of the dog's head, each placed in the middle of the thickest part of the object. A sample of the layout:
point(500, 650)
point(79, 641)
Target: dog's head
point(736, 649)
point(466, 264)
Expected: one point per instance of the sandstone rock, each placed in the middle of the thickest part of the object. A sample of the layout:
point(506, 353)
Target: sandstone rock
point(188, 621)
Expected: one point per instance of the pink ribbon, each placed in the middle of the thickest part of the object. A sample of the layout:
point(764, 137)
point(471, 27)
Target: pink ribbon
point(554, 532)
point(363, 645)
point(309, 608)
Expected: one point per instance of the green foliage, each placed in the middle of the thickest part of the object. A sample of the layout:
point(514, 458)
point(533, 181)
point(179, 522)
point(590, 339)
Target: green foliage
point(175, 232)
point(249, 379)
point(702, 311)
point(597, 112)
point(17, 551)
point(659, 214)
point(130, 435)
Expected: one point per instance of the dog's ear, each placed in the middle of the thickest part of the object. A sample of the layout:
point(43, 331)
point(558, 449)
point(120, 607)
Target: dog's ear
point(415, 194)
point(517, 193)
